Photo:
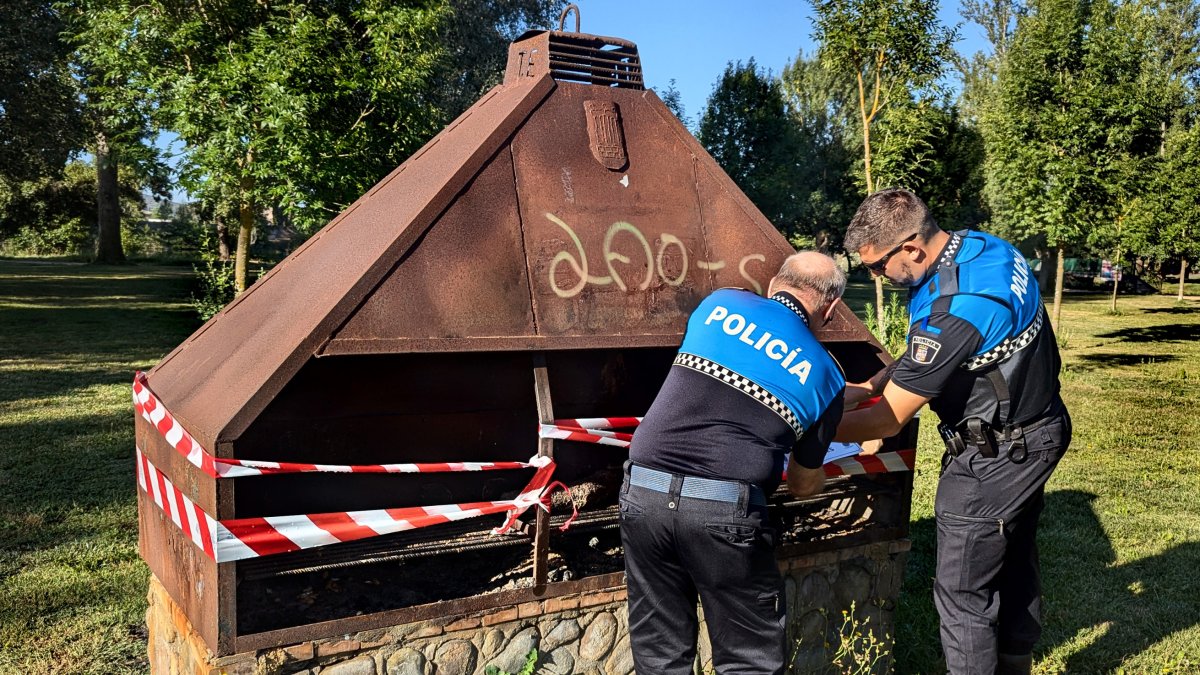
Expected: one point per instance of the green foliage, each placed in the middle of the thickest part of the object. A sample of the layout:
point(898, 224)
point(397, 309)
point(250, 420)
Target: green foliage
point(215, 279)
point(39, 112)
point(746, 128)
point(820, 106)
point(892, 53)
point(893, 333)
point(672, 99)
point(299, 105)
point(1177, 191)
point(528, 669)
point(1071, 116)
point(57, 216)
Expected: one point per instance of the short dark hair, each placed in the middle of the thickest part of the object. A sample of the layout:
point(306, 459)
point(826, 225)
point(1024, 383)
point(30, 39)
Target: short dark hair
point(888, 216)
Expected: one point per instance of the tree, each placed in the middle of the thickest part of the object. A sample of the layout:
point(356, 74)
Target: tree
point(1177, 188)
point(56, 215)
point(674, 102)
point(1174, 60)
point(745, 127)
point(39, 111)
point(1065, 119)
point(820, 107)
point(115, 114)
point(299, 104)
point(894, 52)
point(304, 105)
point(1119, 40)
point(979, 70)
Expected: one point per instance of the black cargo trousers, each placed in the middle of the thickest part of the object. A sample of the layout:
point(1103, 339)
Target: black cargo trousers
point(678, 549)
point(987, 587)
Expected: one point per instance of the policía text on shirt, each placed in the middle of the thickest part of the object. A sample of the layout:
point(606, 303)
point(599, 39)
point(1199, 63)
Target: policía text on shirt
point(774, 348)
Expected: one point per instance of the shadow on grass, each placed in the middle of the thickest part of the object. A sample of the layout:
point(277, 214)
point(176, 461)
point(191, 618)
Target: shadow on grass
point(1098, 361)
point(1175, 332)
point(1130, 606)
point(1172, 310)
point(1127, 607)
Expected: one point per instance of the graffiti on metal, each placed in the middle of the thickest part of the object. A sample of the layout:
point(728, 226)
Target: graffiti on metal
point(654, 261)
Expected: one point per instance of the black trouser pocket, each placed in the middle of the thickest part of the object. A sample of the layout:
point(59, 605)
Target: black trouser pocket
point(970, 550)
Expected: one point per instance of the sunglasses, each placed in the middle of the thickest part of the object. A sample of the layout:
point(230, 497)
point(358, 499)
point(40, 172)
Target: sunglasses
point(880, 265)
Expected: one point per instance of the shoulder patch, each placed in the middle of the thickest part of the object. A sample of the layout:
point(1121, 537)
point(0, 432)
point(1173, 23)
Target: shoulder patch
point(924, 350)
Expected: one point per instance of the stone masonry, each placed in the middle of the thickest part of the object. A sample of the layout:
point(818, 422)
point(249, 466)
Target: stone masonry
point(586, 634)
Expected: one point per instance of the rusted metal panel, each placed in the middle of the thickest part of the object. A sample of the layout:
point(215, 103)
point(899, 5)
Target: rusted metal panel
point(189, 576)
point(465, 278)
point(610, 253)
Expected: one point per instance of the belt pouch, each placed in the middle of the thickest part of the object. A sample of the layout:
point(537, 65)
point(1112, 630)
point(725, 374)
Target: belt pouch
point(980, 434)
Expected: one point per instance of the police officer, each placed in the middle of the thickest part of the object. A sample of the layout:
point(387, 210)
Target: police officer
point(981, 352)
point(750, 384)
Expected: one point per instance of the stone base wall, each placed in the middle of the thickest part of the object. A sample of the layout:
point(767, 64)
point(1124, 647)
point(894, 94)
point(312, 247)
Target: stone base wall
point(587, 634)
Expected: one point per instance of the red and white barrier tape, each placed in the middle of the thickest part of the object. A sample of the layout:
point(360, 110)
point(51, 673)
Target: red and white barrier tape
point(148, 405)
point(884, 462)
point(241, 538)
point(591, 430)
point(595, 430)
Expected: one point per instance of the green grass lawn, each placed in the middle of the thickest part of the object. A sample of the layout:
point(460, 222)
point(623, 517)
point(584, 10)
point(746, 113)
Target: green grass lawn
point(1120, 538)
point(72, 586)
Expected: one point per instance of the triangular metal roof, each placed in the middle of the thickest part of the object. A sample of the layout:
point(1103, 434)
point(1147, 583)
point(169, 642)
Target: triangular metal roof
point(550, 215)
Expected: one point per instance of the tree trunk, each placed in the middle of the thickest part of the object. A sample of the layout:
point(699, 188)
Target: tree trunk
point(108, 205)
point(1182, 276)
point(246, 214)
point(223, 239)
point(1058, 286)
point(1116, 283)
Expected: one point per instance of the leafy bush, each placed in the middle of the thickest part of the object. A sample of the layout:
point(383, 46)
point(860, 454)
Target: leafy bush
point(215, 278)
point(894, 332)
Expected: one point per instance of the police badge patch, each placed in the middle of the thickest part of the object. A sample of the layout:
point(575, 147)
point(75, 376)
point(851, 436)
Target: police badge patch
point(924, 350)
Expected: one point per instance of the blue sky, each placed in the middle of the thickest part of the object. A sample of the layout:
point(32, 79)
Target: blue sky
point(693, 41)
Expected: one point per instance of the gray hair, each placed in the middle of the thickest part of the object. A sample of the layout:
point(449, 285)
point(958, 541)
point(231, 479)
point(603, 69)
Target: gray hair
point(815, 274)
point(887, 217)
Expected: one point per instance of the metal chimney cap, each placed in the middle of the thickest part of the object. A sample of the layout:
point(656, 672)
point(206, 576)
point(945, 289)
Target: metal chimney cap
point(574, 57)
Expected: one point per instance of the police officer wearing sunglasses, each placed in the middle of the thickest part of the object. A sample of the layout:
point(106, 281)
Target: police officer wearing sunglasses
point(981, 352)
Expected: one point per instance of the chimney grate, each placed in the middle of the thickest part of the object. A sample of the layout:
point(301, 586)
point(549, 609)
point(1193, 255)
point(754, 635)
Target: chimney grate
point(594, 61)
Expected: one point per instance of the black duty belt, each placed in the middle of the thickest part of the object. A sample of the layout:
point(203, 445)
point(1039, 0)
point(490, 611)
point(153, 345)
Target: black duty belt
point(974, 432)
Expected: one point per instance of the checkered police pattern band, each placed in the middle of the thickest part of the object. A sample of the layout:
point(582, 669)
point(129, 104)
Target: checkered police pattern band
point(951, 249)
point(719, 372)
point(786, 301)
point(1006, 348)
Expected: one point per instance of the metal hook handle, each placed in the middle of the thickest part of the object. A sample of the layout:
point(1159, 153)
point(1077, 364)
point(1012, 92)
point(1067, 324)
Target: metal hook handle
point(562, 18)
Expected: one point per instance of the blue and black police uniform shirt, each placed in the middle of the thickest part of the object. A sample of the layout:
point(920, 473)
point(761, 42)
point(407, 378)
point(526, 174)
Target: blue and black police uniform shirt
point(750, 384)
point(978, 310)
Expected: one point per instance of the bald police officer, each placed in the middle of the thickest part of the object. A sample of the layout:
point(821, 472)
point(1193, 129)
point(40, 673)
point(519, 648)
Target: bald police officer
point(981, 352)
point(750, 384)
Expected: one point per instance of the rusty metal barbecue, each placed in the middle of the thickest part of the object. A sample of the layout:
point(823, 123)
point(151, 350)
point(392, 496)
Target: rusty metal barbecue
point(536, 260)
